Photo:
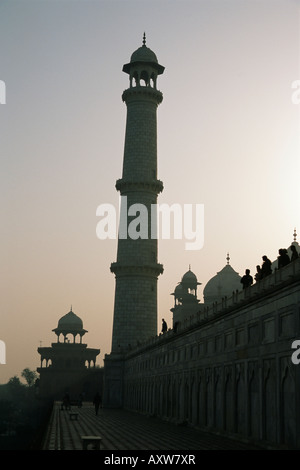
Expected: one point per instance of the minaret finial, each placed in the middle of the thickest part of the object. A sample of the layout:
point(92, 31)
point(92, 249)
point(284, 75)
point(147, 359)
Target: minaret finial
point(189, 267)
point(144, 39)
point(295, 235)
point(228, 258)
point(71, 308)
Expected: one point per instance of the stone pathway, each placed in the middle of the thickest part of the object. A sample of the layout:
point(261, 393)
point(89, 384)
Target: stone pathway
point(122, 430)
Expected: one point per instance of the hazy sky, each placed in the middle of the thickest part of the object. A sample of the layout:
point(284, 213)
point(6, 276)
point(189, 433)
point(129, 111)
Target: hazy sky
point(228, 138)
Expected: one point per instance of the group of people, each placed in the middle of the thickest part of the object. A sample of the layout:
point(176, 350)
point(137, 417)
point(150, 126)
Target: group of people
point(266, 268)
point(66, 402)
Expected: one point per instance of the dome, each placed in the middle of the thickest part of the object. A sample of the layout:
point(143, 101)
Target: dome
point(70, 323)
point(70, 320)
point(143, 54)
point(178, 290)
point(189, 280)
point(222, 284)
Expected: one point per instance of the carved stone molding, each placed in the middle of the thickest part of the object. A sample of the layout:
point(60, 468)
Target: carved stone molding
point(143, 270)
point(142, 92)
point(155, 186)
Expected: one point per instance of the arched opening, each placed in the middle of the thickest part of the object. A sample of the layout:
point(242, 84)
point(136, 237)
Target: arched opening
point(253, 404)
point(174, 400)
point(240, 403)
point(136, 79)
point(153, 80)
point(209, 402)
point(218, 404)
point(228, 400)
point(270, 424)
point(288, 409)
point(145, 77)
point(201, 403)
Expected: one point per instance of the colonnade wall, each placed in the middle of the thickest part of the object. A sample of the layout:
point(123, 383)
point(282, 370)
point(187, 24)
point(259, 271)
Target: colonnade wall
point(229, 370)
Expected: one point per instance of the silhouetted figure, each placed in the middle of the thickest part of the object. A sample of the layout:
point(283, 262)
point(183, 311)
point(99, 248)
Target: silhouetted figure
point(266, 269)
point(283, 258)
point(247, 280)
point(258, 273)
point(164, 327)
point(97, 402)
point(295, 254)
point(80, 400)
point(66, 402)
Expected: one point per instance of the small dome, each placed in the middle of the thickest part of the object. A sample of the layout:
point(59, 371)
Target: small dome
point(222, 284)
point(70, 322)
point(178, 290)
point(143, 54)
point(189, 280)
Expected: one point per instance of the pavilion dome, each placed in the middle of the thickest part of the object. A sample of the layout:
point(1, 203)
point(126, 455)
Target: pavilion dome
point(222, 284)
point(143, 57)
point(70, 323)
point(178, 290)
point(189, 280)
point(143, 54)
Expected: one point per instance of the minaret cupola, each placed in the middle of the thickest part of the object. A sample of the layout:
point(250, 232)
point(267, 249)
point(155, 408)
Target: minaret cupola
point(143, 67)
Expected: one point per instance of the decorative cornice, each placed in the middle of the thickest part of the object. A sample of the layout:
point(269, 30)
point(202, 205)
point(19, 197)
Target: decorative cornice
point(153, 269)
point(155, 186)
point(142, 92)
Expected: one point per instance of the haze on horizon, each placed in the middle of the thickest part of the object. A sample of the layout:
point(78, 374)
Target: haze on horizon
point(228, 138)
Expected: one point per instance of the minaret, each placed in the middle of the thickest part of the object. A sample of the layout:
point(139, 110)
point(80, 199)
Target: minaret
point(136, 269)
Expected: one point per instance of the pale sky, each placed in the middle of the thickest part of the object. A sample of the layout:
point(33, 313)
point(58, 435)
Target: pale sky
point(228, 138)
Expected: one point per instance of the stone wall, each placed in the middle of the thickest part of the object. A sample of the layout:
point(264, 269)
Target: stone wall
point(227, 369)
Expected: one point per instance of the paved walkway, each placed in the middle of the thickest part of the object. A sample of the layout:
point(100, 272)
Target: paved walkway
point(122, 430)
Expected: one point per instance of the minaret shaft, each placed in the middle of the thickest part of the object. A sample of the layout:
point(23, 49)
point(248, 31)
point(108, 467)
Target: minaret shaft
point(140, 150)
point(137, 269)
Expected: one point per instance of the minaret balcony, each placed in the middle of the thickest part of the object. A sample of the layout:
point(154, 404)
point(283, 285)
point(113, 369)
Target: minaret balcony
point(142, 92)
point(155, 186)
point(149, 269)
